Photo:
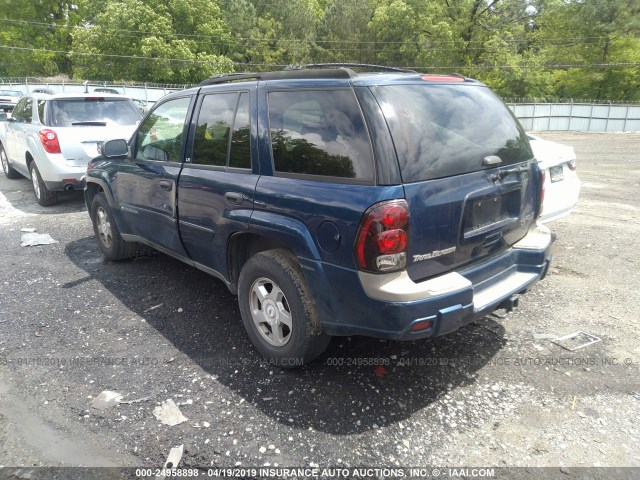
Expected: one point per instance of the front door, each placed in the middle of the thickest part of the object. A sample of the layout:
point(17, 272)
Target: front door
point(145, 186)
point(216, 187)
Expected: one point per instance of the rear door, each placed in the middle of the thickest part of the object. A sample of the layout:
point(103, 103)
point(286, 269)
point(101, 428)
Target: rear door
point(218, 180)
point(145, 185)
point(467, 169)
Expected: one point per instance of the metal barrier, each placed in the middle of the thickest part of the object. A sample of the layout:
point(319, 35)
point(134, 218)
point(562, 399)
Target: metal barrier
point(534, 116)
point(581, 117)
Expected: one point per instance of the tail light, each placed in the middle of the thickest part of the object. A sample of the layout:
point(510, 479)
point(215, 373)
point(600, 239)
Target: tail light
point(543, 177)
point(572, 165)
point(382, 240)
point(49, 141)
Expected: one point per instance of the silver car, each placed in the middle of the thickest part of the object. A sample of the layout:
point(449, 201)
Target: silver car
point(8, 99)
point(51, 138)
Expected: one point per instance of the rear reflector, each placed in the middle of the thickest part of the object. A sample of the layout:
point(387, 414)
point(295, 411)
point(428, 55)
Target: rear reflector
point(421, 325)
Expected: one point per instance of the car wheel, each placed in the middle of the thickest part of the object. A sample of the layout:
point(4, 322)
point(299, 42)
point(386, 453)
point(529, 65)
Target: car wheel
point(278, 311)
point(44, 196)
point(9, 171)
point(109, 239)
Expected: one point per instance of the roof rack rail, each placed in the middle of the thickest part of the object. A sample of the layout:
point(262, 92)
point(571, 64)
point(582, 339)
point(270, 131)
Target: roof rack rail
point(279, 75)
point(229, 77)
point(383, 68)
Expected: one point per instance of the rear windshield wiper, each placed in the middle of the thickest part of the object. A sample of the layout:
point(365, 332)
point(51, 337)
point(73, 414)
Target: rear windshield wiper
point(503, 173)
point(93, 123)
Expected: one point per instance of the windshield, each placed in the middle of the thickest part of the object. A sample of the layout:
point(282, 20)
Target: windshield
point(97, 111)
point(444, 130)
point(10, 93)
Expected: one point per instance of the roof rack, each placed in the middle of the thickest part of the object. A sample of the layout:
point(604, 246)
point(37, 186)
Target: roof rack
point(371, 66)
point(281, 75)
point(313, 70)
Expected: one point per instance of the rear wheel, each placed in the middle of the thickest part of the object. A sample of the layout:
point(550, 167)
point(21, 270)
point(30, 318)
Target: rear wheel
point(45, 197)
point(109, 239)
point(8, 170)
point(278, 311)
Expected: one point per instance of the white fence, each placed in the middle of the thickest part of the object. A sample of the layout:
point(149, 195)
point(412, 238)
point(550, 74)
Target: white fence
point(581, 117)
point(537, 117)
point(148, 93)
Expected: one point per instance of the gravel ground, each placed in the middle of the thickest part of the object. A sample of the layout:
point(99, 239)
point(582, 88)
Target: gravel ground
point(496, 393)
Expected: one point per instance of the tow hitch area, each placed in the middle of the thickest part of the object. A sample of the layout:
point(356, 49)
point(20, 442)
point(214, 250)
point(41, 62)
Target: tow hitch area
point(509, 305)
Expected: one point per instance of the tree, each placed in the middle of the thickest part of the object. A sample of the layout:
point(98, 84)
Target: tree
point(177, 41)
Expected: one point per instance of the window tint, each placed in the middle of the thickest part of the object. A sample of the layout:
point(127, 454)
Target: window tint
point(444, 130)
point(211, 142)
point(23, 112)
point(240, 156)
point(319, 132)
point(98, 111)
point(160, 136)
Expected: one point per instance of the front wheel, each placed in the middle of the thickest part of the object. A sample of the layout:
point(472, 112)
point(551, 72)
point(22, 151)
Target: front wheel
point(109, 239)
point(278, 311)
point(45, 197)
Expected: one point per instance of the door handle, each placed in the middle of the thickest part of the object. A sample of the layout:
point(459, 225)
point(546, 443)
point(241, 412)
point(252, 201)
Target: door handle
point(234, 198)
point(165, 185)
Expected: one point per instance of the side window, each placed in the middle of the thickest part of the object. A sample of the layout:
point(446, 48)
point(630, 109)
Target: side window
point(160, 136)
point(319, 132)
point(23, 111)
point(211, 142)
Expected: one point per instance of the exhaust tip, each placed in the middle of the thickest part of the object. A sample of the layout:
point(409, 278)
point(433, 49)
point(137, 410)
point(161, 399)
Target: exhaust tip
point(69, 187)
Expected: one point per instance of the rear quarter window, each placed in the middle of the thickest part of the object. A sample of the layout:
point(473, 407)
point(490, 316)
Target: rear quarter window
point(445, 130)
point(319, 133)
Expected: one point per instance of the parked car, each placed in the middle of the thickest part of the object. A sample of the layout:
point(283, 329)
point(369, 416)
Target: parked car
point(561, 183)
point(47, 91)
point(106, 90)
point(51, 138)
point(393, 205)
point(9, 99)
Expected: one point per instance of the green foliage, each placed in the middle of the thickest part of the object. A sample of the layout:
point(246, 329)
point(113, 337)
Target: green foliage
point(535, 48)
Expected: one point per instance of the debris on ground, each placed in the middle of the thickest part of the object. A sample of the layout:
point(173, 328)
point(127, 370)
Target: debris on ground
point(173, 459)
point(137, 400)
point(169, 414)
point(106, 399)
point(35, 239)
point(576, 340)
point(28, 230)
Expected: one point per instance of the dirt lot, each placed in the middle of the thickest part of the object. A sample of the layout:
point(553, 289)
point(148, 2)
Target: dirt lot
point(496, 393)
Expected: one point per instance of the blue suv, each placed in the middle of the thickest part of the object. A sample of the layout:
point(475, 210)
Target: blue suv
point(396, 205)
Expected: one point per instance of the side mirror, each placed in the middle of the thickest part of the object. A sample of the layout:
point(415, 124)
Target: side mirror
point(115, 148)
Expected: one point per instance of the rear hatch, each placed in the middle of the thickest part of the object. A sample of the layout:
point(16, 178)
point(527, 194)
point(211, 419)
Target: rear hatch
point(83, 123)
point(468, 172)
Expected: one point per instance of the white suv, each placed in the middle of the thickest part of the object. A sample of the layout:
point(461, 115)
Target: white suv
point(51, 138)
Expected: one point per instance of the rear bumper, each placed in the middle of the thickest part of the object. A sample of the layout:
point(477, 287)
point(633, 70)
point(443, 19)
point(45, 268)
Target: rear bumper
point(392, 306)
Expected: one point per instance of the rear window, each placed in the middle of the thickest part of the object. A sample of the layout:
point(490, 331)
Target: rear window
point(444, 130)
point(98, 111)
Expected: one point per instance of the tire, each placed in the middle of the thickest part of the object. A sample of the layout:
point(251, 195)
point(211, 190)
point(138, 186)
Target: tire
point(278, 311)
point(109, 239)
point(45, 197)
point(9, 171)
